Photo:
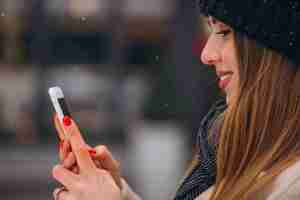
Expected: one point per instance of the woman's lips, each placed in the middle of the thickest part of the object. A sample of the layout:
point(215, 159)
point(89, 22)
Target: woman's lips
point(224, 80)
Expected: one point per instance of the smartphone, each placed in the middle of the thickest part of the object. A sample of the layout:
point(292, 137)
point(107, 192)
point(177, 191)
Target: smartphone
point(59, 103)
point(60, 106)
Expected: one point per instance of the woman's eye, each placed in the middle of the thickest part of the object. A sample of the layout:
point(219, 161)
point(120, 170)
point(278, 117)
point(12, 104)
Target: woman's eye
point(223, 33)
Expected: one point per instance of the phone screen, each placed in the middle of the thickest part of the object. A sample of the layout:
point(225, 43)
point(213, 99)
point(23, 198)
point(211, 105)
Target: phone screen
point(64, 107)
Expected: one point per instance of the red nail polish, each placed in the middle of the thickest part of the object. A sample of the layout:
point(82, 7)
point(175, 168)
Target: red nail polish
point(67, 121)
point(92, 152)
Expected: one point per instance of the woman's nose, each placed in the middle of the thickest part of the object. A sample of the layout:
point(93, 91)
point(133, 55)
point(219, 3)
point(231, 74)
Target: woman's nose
point(210, 54)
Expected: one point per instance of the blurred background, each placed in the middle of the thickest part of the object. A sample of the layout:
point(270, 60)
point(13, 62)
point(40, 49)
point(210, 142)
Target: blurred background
point(132, 76)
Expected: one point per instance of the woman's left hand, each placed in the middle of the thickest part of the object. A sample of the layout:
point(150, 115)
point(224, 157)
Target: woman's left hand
point(91, 183)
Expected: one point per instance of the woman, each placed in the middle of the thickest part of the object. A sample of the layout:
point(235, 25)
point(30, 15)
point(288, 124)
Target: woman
point(254, 46)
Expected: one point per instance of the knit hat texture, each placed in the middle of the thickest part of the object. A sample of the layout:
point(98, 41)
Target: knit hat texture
point(272, 23)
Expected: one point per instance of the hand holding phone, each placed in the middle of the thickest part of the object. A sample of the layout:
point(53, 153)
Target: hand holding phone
point(63, 116)
point(59, 103)
point(100, 155)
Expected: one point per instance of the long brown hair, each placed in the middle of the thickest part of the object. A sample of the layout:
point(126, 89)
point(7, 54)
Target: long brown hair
point(261, 127)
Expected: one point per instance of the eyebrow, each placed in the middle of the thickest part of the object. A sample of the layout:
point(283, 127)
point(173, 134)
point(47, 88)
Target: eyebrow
point(213, 21)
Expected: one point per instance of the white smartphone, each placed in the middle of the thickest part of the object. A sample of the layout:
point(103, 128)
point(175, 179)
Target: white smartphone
point(59, 103)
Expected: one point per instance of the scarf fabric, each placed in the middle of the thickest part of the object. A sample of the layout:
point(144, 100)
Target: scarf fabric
point(203, 175)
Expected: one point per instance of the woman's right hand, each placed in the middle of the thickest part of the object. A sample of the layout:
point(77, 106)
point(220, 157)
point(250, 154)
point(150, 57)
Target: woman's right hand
point(101, 156)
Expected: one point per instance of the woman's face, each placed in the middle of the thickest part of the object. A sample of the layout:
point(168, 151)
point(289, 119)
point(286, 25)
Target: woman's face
point(219, 52)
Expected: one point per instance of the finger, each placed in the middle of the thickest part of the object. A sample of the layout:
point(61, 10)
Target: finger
point(109, 163)
point(69, 161)
point(65, 177)
point(72, 132)
point(64, 150)
point(85, 162)
point(83, 158)
point(58, 127)
point(106, 158)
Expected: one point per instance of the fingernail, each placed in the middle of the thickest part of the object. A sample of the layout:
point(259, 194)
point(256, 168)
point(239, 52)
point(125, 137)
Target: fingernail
point(92, 151)
point(67, 121)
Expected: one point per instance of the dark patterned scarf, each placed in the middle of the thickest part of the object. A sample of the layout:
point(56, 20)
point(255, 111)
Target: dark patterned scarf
point(203, 175)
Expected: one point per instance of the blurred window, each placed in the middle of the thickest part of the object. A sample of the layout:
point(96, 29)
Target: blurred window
point(79, 48)
point(88, 10)
point(79, 8)
point(55, 8)
point(18, 86)
point(153, 8)
point(15, 7)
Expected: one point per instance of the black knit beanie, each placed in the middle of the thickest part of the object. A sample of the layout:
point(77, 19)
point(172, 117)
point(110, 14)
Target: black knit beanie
point(272, 23)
